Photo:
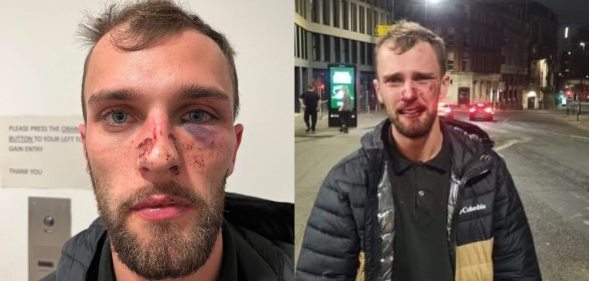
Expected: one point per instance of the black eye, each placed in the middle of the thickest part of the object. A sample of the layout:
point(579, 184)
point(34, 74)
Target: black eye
point(119, 117)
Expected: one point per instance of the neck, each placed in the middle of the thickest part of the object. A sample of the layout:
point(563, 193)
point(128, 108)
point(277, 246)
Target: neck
point(208, 272)
point(420, 149)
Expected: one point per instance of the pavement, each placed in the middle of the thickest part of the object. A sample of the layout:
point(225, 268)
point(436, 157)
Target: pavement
point(315, 154)
point(582, 122)
point(365, 120)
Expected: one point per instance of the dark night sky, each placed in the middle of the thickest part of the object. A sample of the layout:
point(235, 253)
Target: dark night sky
point(570, 12)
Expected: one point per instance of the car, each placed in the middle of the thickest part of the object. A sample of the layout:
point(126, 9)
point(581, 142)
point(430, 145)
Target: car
point(445, 110)
point(481, 111)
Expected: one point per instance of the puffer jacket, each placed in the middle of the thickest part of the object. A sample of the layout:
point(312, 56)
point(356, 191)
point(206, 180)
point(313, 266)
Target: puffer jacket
point(351, 228)
point(261, 231)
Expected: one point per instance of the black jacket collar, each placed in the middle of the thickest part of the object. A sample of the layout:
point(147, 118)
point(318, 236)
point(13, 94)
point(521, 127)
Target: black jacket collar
point(469, 144)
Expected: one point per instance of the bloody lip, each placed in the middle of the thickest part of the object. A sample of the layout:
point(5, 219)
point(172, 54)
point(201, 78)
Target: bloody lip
point(161, 207)
point(413, 112)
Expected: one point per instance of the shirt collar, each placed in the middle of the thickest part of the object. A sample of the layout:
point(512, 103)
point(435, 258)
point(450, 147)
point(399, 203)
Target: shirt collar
point(400, 163)
point(106, 271)
point(229, 262)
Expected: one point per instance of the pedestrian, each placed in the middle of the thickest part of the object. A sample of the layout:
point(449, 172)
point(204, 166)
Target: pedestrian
point(159, 101)
point(345, 110)
point(421, 199)
point(310, 102)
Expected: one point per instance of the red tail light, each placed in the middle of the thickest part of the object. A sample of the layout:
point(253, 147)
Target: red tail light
point(488, 110)
point(472, 109)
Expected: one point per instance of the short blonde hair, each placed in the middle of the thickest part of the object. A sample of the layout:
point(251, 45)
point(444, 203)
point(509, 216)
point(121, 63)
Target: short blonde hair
point(405, 34)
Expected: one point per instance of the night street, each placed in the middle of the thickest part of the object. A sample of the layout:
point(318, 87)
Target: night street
point(546, 152)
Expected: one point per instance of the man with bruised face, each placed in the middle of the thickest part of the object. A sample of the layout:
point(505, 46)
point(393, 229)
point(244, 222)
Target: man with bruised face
point(160, 97)
point(423, 198)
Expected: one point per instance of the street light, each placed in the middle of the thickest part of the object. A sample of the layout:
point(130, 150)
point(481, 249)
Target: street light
point(425, 2)
point(425, 7)
point(582, 44)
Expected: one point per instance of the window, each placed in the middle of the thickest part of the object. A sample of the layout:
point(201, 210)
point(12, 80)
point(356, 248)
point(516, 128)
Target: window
point(336, 49)
point(345, 15)
point(354, 52)
point(315, 11)
point(370, 25)
point(297, 41)
point(466, 62)
point(346, 51)
point(326, 48)
point(362, 52)
point(375, 20)
point(304, 43)
point(336, 14)
point(370, 47)
point(326, 14)
point(451, 36)
point(316, 46)
point(450, 63)
point(362, 18)
point(354, 12)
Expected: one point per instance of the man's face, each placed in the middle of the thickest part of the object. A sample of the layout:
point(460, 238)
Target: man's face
point(410, 85)
point(160, 141)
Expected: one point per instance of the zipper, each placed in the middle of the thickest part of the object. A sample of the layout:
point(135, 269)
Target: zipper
point(452, 234)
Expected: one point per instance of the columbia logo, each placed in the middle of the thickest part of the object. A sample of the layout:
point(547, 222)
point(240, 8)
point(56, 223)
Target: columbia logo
point(469, 209)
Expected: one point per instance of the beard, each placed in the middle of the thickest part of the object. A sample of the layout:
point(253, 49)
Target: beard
point(414, 128)
point(164, 250)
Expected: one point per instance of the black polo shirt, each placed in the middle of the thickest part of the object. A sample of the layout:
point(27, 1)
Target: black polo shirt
point(420, 192)
point(228, 263)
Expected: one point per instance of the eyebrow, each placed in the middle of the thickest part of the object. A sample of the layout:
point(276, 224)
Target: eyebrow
point(416, 75)
point(119, 95)
point(391, 77)
point(198, 92)
point(424, 75)
point(188, 93)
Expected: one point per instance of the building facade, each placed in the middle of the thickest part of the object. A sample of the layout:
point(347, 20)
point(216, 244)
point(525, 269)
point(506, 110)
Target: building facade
point(487, 45)
point(543, 26)
point(501, 52)
point(337, 32)
point(573, 75)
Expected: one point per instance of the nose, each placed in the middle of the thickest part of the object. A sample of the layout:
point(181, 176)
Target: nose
point(158, 151)
point(408, 93)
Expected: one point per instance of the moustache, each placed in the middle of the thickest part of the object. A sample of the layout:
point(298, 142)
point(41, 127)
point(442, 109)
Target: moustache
point(178, 193)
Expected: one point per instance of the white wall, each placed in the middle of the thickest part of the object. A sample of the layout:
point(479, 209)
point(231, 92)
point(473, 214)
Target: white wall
point(40, 72)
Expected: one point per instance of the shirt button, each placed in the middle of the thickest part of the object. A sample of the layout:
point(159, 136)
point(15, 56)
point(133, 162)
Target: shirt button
point(421, 193)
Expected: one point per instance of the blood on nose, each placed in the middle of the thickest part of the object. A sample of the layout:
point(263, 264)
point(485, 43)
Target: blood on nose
point(145, 147)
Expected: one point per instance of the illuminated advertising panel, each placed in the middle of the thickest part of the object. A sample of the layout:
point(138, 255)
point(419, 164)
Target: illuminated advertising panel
point(342, 81)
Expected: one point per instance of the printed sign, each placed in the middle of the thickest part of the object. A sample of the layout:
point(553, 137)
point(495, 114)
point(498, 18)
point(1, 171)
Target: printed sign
point(42, 152)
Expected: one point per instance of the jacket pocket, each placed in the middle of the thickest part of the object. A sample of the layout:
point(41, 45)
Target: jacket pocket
point(474, 261)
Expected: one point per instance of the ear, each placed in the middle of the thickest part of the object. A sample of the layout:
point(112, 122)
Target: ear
point(444, 86)
point(376, 85)
point(238, 129)
point(82, 128)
